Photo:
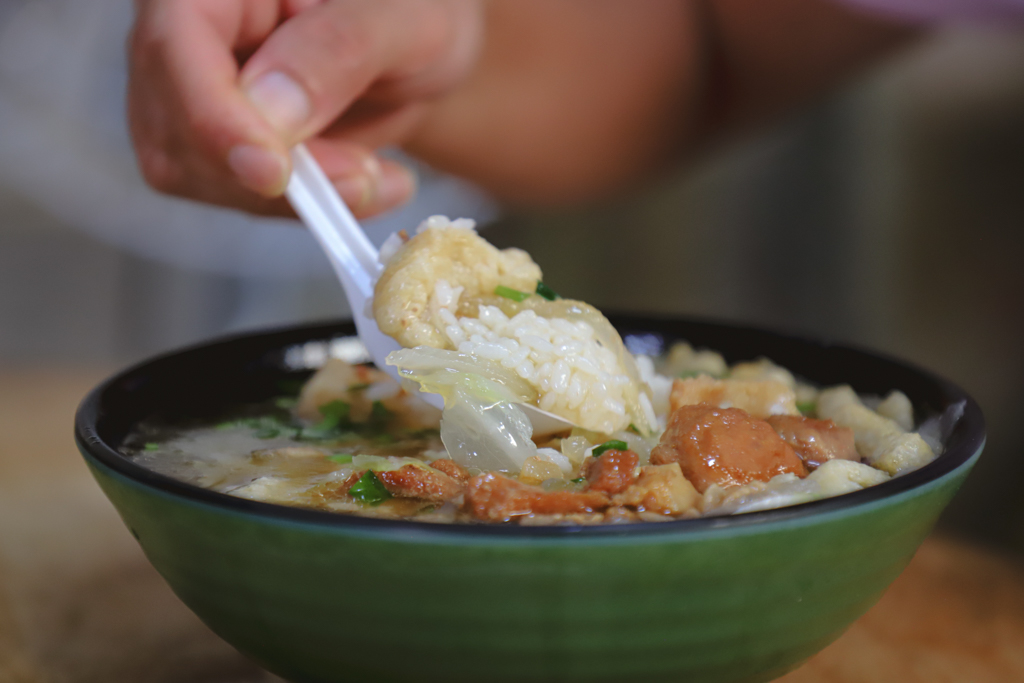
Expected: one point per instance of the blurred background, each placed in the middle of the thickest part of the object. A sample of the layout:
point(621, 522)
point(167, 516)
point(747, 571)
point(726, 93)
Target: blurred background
point(890, 215)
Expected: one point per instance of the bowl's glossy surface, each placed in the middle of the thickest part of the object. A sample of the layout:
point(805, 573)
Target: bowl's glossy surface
point(315, 596)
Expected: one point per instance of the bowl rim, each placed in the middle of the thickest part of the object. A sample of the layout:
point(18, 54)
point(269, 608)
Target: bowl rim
point(970, 425)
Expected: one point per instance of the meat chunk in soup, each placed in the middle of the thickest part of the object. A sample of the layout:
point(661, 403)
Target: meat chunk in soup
point(412, 481)
point(815, 441)
point(493, 497)
point(613, 472)
point(452, 469)
point(724, 446)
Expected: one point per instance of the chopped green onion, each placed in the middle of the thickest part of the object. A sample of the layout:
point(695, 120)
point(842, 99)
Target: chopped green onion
point(369, 490)
point(614, 444)
point(578, 480)
point(379, 412)
point(509, 293)
point(340, 458)
point(335, 414)
point(359, 387)
point(806, 407)
point(546, 292)
point(152, 446)
point(632, 428)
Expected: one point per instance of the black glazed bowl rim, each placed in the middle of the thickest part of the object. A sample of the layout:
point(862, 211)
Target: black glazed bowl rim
point(105, 416)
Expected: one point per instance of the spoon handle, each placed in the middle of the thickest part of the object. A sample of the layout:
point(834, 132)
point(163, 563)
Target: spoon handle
point(317, 202)
point(354, 258)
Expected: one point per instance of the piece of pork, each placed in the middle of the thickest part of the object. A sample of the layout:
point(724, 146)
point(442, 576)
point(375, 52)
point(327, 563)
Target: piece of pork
point(426, 483)
point(452, 469)
point(494, 497)
point(613, 472)
point(724, 446)
point(815, 441)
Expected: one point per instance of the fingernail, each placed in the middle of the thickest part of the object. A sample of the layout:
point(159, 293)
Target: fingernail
point(281, 101)
point(259, 169)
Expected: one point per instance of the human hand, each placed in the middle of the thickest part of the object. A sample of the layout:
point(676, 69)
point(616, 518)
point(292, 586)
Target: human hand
point(345, 76)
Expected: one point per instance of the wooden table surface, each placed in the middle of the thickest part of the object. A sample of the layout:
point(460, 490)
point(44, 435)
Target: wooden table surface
point(80, 604)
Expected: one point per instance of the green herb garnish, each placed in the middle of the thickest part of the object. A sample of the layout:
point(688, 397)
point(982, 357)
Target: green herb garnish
point(614, 444)
point(379, 412)
point(151, 446)
point(340, 458)
point(334, 425)
point(509, 293)
point(807, 407)
point(578, 480)
point(546, 292)
point(335, 415)
point(632, 428)
point(369, 489)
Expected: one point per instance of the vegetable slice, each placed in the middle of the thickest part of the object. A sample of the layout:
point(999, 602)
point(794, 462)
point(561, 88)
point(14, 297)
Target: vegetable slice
point(509, 293)
point(546, 292)
point(369, 490)
point(614, 444)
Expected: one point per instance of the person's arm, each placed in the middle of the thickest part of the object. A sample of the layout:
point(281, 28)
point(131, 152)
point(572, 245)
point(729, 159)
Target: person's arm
point(572, 100)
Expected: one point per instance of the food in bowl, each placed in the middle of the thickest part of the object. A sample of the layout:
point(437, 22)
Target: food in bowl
point(677, 436)
point(318, 596)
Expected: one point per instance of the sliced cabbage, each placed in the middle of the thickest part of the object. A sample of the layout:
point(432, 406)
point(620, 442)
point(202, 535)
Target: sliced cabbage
point(481, 425)
point(833, 478)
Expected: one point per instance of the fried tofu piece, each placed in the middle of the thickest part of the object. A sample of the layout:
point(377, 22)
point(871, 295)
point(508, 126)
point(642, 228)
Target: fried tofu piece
point(760, 398)
point(405, 303)
point(815, 441)
point(661, 489)
point(724, 446)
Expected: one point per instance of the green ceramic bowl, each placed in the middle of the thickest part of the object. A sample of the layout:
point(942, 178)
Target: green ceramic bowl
point(315, 596)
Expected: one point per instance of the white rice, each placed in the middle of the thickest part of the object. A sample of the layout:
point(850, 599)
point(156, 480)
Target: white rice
point(575, 376)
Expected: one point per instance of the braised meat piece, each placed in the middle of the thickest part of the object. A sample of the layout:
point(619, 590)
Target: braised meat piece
point(613, 472)
point(493, 497)
point(427, 483)
point(724, 446)
point(815, 441)
point(452, 469)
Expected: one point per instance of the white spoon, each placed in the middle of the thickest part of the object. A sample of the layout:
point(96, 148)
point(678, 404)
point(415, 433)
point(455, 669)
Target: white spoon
point(357, 264)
